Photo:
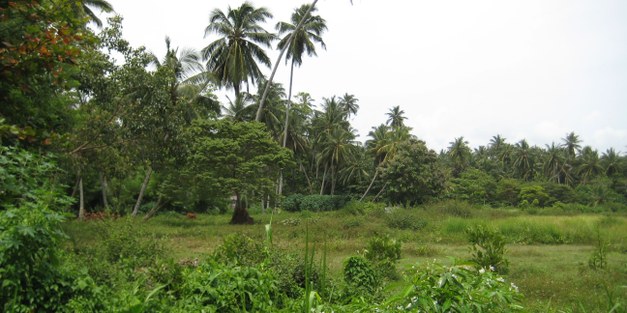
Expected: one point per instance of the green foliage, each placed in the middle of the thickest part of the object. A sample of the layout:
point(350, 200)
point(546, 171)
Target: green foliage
point(488, 248)
point(26, 177)
point(474, 186)
point(314, 203)
point(598, 259)
point(507, 191)
point(456, 208)
point(215, 287)
point(400, 218)
point(534, 195)
point(240, 250)
point(384, 252)
point(361, 278)
point(414, 175)
point(458, 288)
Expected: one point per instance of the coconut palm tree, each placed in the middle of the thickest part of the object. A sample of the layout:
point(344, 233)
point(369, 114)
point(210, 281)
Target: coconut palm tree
point(459, 154)
point(234, 56)
point(611, 162)
point(349, 104)
point(396, 117)
point(102, 5)
point(523, 160)
point(589, 164)
point(240, 110)
point(572, 145)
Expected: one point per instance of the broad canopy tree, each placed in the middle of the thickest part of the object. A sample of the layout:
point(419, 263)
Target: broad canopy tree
point(238, 159)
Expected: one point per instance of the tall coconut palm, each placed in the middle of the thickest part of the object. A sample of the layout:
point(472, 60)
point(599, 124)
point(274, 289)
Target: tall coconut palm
point(523, 160)
point(396, 117)
point(384, 145)
point(572, 145)
point(234, 56)
point(102, 5)
point(459, 154)
point(349, 104)
point(589, 164)
point(611, 162)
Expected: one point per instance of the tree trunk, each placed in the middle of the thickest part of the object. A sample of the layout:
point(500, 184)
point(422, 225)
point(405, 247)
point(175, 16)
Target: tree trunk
point(278, 61)
point(376, 173)
point(304, 170)
point(380, 192)
point(141, 192)
point(103, 183)
point(81, 207)
point(240, 213)
point(75, 189)
point(333, 179)
point(324, 176)
point(154, 210)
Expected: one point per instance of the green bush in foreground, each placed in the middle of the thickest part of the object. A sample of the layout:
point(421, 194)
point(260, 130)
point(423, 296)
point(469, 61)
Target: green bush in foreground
point(488, 248)
point(458, 288)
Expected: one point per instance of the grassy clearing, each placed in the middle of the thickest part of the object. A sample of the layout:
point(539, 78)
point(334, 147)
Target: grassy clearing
point(548, 254)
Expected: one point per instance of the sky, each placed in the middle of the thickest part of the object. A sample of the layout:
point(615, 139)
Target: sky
point(522, 69)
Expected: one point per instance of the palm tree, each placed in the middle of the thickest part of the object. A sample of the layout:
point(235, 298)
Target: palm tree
point(349, 104)
point(460, 154)
point(103, 5)
point(396, 117)
point(240, 110)
point(384, 147)
point(589, 165)
point(523, 160)
point(611, 162)
point(572, 145)
point(555, 167)
point(233, 57)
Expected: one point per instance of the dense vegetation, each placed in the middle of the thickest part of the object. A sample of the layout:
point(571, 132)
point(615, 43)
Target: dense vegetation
point(95, 129)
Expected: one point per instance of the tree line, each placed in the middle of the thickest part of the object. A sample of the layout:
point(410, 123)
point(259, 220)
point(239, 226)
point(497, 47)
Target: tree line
point(138, 133)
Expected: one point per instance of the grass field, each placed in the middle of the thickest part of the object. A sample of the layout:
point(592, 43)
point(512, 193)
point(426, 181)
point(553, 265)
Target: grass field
point(548, 254)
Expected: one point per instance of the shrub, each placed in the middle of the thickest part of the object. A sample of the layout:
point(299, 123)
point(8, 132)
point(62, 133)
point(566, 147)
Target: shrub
point(214, 287)
point(292, 202)
point(322, 202)
point(437, 288)
point(457, 208)
point(384, 252)
point(404, 219)
point(241, 250)
point(488, 248)
point(534, 195)
point(360, 277)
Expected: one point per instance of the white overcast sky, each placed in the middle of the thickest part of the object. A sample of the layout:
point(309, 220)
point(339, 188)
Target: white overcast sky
point(532, 69)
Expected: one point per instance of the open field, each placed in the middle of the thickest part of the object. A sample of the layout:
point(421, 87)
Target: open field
point(548, 254)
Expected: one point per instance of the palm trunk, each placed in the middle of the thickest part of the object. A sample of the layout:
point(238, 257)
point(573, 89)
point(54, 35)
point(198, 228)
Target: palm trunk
point(376, 173)
point(285, 130)
point(141, 192)
point(380, 192)
point(278, 62)
point(333, 179)
point(81, 207)
point(324, 177)
point(103, 183)
point(154, 210)
point(304, 170)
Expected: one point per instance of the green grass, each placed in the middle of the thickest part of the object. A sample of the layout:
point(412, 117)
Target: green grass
point(548, 254)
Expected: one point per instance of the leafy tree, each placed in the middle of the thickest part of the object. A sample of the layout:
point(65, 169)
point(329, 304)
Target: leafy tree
point(238, 159)
point(474, 186)
point(589, 164)
point(41, 44)
point(233, 57)
point(414, 175)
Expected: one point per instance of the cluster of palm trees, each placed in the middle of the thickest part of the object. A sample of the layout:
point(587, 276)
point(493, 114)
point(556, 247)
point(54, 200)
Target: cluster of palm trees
point(565, 163)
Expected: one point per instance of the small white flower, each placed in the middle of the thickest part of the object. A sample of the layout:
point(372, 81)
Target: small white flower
point(514, 287)
point(500, 279)
point(491, 268)
point(482, 270)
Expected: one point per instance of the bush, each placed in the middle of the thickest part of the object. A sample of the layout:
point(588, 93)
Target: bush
point(488, 248)
point(240, 250)
point(437, 288)
point(384, 252)
point(533, 195)
point(360, 277)
point(214, 287)
point(314, 203)
point(404, 219)
point(457, 208)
